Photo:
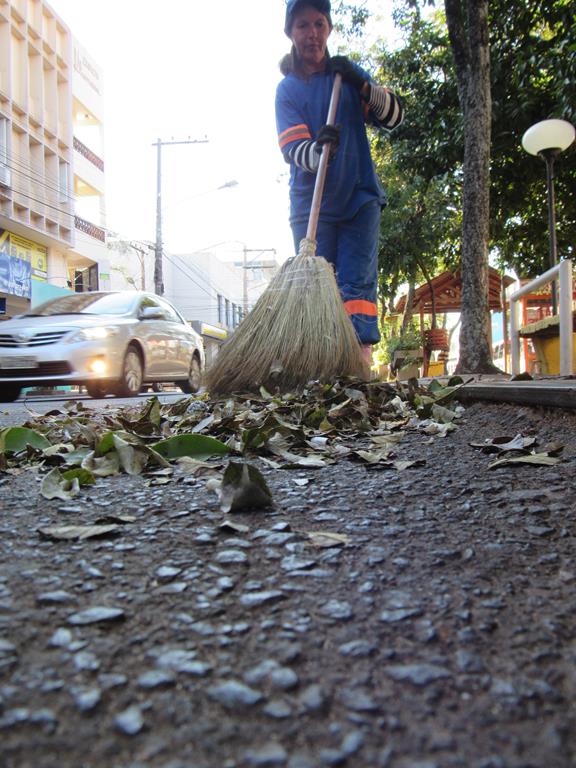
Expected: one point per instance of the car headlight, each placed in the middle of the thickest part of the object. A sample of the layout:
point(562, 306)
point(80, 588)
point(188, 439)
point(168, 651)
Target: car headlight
point(98, 333)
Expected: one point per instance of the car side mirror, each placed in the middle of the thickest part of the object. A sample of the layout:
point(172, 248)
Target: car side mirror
point(151, 313)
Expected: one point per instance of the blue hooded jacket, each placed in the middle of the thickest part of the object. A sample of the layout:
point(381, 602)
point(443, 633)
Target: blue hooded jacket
point(301, 110)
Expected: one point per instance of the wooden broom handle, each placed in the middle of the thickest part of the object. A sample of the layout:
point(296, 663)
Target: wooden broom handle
point(323, 165)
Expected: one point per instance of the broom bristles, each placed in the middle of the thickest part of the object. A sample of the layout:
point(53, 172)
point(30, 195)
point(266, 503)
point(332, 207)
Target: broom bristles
point(298, 331)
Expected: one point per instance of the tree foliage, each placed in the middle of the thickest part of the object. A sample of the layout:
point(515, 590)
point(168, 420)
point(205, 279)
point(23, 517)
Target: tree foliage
point(533, 56)
point(533, 65)
point(420, 223)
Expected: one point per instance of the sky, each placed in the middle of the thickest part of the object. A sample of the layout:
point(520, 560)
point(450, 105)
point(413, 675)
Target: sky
point(198, 70)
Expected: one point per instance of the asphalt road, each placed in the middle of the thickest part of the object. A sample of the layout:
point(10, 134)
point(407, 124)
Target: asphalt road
point(12, 414)
point(435, 628)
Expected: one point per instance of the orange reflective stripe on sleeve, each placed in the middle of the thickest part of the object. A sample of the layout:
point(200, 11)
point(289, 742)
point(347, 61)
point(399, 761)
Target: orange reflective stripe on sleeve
point(361, 307)
point(293, 133)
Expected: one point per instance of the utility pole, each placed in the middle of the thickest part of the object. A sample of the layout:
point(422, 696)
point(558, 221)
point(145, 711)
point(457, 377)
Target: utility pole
point(158, 276)
point(245, 275)
point(142, 255)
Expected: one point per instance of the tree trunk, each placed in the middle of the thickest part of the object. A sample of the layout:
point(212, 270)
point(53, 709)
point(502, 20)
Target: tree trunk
point(408, 307)
point(468, 31)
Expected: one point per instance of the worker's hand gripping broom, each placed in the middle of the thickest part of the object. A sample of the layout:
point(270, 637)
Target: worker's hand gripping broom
point(298, 330)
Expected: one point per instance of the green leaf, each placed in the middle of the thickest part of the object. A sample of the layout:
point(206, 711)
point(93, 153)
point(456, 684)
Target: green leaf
point(254, 438)
point(106, 442)
point(15, 439)
point(152, 412)
point(243, 487)
point(199, 446)
point(55, 486)
point(83, 476)
point(265, 395)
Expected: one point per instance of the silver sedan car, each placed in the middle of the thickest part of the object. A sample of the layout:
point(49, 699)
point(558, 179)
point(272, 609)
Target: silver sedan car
point(112, 343)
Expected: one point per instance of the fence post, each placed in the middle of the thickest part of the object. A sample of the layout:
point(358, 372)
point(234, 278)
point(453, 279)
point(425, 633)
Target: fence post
point(514, 338)
point(565, 313)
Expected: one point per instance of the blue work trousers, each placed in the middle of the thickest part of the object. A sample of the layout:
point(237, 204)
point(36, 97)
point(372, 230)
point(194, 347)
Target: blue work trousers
point(352, 248)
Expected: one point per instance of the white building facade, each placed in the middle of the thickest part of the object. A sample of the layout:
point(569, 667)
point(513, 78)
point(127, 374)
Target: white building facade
point(52, 195)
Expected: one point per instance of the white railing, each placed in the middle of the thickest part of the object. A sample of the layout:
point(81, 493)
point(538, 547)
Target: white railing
point(562, 272)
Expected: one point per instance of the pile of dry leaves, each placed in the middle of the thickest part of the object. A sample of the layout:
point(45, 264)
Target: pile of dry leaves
point(73, 445)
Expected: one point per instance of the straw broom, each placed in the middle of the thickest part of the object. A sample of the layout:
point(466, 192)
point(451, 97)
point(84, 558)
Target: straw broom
point(298, 330)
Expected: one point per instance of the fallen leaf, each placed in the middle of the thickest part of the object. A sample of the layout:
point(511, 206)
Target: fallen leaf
point(326, 539)
point(203, 424)
point(243, 487)
point(132, 459)
point(442, 414)
point(102, 466)
point(15, 439)
point(402, 465)
point(434, 428)
point(387, 440)
point(530, 458)
point(506, 443)
point(54, 486)
point(83, 476)
point(78, 532)
point(198, 446)
point(231, 525)
point(113, 519)
point(372, 457)
point(190, 466)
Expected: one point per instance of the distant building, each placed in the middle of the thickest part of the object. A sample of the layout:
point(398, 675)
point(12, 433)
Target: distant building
point(211, 293)
point(52, 206)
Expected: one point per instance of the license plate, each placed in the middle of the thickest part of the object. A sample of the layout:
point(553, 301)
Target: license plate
point(18, 362)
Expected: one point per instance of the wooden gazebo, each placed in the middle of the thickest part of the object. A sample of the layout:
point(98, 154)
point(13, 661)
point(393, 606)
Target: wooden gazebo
point(447, 289)
point(444, 294)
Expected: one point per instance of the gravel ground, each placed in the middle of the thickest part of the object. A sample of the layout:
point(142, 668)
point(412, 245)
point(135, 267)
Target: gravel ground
point(440, 632)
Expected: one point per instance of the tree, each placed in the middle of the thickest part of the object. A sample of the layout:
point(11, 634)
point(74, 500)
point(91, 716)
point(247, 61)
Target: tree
point(467, 22)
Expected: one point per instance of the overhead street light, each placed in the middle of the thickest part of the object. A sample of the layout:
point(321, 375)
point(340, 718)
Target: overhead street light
point(547, 139)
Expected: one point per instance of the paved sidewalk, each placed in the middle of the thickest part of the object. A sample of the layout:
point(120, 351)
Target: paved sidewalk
point(541, 391)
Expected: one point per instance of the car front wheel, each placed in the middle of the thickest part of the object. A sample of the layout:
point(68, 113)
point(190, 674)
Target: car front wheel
point(194, 381)
point(96, 389)
point(132, 374)
point(9, 393)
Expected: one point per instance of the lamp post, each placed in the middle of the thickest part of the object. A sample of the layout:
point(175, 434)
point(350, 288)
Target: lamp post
point(548, 139)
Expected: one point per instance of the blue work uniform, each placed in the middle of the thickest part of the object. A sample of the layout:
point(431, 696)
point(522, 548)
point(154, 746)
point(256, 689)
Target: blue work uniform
point(349, 222)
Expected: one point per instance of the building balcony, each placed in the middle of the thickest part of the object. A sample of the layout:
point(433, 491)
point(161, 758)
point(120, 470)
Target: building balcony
point(90, 229)
point(92, 157)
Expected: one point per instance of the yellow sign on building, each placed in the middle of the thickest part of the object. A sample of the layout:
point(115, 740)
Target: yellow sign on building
point(27, 250)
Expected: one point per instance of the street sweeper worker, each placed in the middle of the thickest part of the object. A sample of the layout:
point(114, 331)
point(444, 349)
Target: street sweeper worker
point(349, 222)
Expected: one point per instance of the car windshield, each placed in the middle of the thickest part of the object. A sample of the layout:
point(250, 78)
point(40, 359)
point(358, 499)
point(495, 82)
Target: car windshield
point(86, 303)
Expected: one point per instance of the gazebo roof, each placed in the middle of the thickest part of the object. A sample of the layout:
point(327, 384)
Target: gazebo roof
point(448, 293)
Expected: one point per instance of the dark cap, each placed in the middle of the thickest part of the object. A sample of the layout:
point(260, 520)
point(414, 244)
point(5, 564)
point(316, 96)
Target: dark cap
point(323, 6)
